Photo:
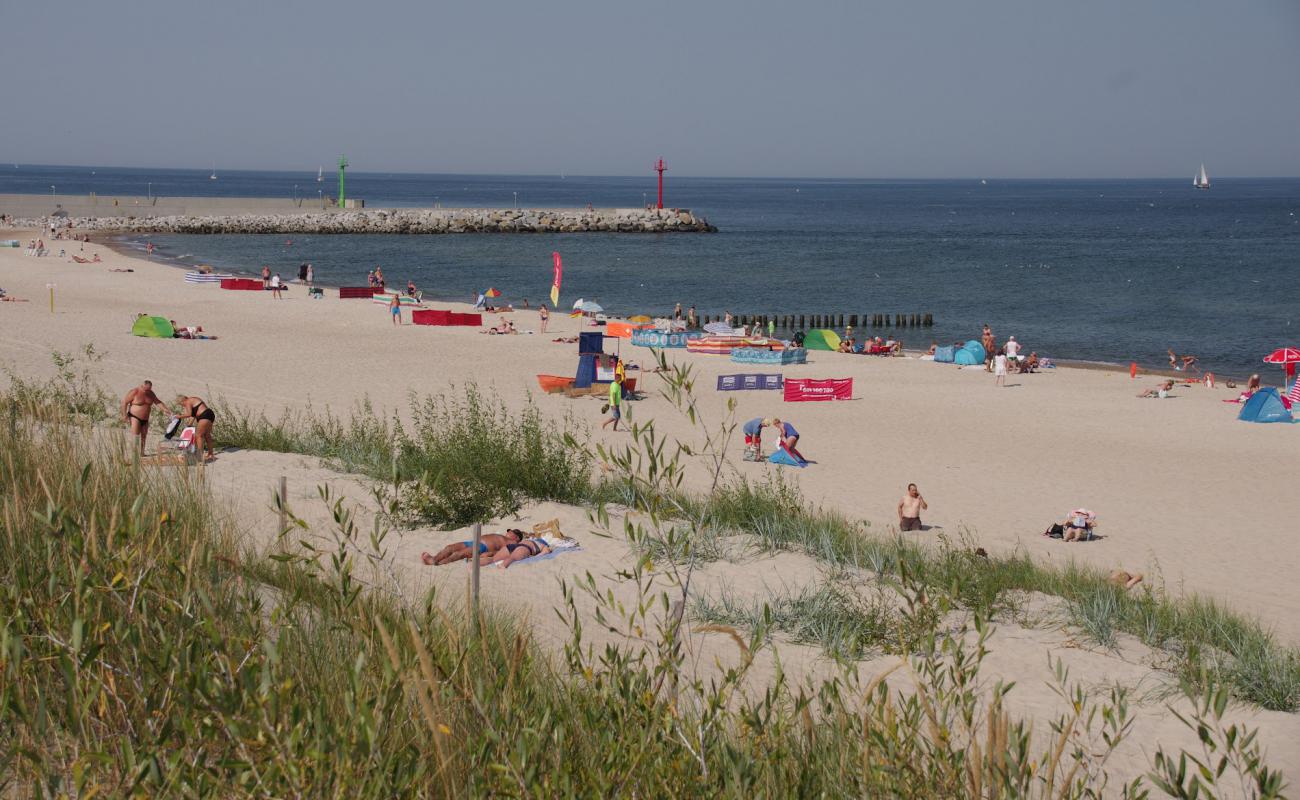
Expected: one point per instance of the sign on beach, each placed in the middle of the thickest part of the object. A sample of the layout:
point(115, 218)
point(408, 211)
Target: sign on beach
point(658, 338)
point(802, 390)
point(732, 383)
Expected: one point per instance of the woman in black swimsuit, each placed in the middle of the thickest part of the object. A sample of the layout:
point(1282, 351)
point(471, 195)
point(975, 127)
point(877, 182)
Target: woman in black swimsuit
point(532, 546)
point(203, 420)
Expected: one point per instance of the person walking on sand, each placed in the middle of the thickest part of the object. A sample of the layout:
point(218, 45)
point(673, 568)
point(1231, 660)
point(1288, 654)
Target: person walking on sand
point(910, 508)
point(615, 403)
point(276, 285)
point(395, 308)
point(1000, 368)
point(136, 408)
point(544, 316)
point(204, 418)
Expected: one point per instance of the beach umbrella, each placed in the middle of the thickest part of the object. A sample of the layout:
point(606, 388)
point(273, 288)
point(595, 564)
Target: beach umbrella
point(492, 293)
point(577, 304)
point(591, 307)
point(1287, 357)
point(719, 328)
point(639, 318)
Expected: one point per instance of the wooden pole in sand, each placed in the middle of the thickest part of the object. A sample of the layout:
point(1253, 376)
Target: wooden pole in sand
point(284, 499)
point(473, 574)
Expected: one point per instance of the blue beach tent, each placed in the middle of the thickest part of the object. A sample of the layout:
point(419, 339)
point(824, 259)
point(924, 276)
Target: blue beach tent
point(1265, 405)
point(970, 354)
point(945, 355)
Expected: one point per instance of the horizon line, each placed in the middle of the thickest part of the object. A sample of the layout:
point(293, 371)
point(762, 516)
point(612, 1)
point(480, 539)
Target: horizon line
point(809, 178)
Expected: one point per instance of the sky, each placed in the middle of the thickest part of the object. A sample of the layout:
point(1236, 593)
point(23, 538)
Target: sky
point(906, 89)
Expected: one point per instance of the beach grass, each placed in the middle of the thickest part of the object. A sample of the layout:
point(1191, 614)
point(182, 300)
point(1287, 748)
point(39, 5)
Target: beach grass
point(147, 650)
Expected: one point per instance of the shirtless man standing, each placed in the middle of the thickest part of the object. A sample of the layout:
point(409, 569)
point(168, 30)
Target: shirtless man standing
point(910, 508)
point(136, 408)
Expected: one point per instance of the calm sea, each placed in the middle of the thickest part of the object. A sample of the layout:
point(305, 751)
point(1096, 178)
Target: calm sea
point(1109, 271)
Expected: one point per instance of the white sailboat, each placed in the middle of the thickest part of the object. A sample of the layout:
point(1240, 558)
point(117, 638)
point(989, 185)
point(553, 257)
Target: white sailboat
point(1201, 180)
point(213, 176)
point(320, 174)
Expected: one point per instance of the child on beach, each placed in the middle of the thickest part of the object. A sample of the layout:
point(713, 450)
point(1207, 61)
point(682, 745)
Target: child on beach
point(395, 309)
point(1000, 368)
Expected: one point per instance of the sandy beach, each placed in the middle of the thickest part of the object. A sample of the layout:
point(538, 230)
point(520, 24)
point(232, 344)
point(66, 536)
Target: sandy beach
point(1184, 492)
point(1182, 489)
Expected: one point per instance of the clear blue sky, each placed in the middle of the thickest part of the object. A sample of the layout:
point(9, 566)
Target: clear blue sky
point(911, 88)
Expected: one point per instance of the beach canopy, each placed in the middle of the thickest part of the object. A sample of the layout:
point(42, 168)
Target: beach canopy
point(153, 327)
point(1265, 405)
point(1283, 355)
point(821, 339)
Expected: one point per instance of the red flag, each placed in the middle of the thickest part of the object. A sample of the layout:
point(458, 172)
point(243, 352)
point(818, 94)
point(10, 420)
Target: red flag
point(555, 285)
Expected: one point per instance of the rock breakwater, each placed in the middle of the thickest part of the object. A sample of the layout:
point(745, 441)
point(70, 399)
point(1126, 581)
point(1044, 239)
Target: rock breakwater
point(401, 221)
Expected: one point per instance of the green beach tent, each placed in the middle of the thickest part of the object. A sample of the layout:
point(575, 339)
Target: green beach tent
point(822, 339)
point(153, 327)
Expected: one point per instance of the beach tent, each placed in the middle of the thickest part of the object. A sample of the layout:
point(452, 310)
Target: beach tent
point(945, 355)
point(970, 354)
point(153, 327)
point(821, 339)
point(1265, 405)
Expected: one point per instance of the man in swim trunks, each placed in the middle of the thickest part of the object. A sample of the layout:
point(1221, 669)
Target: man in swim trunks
point(910, 508)
point(489, 544)
point(753, 431)
point(136, 408)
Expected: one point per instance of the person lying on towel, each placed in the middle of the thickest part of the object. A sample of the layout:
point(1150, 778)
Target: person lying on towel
point(489, 545)
point(532, 546)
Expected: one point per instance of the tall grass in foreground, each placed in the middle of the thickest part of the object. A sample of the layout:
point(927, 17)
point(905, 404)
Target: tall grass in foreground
point(144, 652)
point(462, 459)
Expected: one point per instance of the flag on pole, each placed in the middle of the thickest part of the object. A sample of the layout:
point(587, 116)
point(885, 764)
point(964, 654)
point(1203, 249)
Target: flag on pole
point(555, 285)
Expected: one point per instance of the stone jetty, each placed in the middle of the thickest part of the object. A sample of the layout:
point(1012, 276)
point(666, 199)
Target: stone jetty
point(399, 221)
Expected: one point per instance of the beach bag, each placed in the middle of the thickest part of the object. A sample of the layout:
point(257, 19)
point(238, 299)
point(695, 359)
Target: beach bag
point(173, 425)
point(1055, 532)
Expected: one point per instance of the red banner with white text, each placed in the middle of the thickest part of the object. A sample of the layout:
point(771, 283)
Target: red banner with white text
point(802, 390)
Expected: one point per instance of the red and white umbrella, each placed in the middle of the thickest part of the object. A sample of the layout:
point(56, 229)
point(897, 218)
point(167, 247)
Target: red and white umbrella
point(1286, 356)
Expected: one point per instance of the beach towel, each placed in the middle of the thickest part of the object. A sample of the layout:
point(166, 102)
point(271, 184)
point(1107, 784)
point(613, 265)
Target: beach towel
point(558, 548)
point(785, 457)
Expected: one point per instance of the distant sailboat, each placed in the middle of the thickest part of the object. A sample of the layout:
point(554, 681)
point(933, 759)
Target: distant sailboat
point(213, 176)
point(1201, 180)
point(983, 182)
point(320, 174)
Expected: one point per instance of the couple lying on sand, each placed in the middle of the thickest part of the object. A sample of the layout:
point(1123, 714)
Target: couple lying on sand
point(502, 549)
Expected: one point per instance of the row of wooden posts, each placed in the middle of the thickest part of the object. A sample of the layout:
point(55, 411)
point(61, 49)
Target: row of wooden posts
point(806, 321)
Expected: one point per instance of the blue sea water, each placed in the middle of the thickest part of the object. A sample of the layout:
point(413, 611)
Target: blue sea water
point(1106, 270)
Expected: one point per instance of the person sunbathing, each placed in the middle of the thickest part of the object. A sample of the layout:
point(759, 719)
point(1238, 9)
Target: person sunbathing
point(1079, 525)
point(1161, 391)
point(527, 548)
point(489, 545)
point(1030, 364)
point(1125, 580)
point(505, 327)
